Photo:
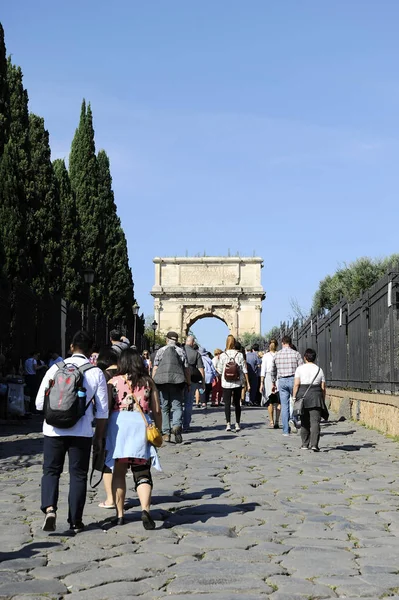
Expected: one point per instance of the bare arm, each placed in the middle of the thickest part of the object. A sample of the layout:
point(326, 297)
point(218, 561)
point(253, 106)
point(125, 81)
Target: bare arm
point(155, 406)
point(297, 383)
point(324, 389)
point(202, 371)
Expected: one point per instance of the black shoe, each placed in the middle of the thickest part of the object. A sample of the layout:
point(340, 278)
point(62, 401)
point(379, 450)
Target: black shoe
point(49, 521)
point(77, 527)
point(148, 521)
point(315, 449)
point(118, 521)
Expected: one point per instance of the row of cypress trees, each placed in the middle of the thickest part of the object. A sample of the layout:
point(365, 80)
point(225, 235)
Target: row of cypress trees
point(55, 222)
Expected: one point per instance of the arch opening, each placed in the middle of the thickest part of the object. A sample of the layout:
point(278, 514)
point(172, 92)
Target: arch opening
point(210, 332)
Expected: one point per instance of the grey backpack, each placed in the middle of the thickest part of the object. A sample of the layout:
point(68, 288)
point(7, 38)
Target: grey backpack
point(65, 400)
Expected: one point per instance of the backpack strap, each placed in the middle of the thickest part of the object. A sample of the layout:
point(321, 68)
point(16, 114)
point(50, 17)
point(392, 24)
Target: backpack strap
point(60, 364)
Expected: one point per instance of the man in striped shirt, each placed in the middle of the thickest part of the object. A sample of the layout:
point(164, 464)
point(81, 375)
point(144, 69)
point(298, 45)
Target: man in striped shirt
point(286, 362)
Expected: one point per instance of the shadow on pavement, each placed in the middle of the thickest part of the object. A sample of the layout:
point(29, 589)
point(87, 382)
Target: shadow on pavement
point(27, 551)
point(351, 432)
point(201, 513)
point(351, 448)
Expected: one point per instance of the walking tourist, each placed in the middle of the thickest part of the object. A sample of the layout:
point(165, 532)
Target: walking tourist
point(210, 374)
point(232, 368)
point(197, 378)
point(147, 361)
point(75, 440)
point(253, 365)
point(286, 361)
point(217, 390)
point(310, 385)
point(118, 341)
point(107, 361)
point(171, 375)
point(266, 385)
point(127, 445)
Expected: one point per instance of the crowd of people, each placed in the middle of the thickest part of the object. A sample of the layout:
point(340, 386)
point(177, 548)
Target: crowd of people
point(122, 393)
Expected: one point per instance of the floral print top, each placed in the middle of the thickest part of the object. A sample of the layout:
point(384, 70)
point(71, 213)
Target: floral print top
point(124, 399)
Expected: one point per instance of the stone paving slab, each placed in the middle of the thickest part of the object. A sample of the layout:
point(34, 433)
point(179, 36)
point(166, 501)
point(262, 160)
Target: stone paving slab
point(238, 516)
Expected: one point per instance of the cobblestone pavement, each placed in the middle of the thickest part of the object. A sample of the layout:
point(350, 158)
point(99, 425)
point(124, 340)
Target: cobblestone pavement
point(243, 515)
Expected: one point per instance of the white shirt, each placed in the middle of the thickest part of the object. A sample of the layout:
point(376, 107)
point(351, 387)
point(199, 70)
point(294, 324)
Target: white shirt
point(306, 372)
point(96, 388)
point(239, 359)
point(267, 363)
point(215, 361)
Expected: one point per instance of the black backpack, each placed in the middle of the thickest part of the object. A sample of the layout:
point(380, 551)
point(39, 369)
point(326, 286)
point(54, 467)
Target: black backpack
point(65, 400)
point(232, 370)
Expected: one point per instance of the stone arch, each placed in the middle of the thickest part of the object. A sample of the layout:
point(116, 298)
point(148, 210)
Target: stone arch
point(203, 314)
point(228, 288)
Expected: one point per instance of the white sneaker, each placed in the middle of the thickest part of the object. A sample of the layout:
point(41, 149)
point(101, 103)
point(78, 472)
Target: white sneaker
point(237, 428)
point(228, 427)
point(292, 426)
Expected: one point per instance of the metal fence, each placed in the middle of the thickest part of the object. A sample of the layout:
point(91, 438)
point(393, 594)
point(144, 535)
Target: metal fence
point(29, 323)
point(357, 343)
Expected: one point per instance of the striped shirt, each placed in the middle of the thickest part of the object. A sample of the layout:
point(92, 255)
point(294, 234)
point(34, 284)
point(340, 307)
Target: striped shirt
point(286, 362)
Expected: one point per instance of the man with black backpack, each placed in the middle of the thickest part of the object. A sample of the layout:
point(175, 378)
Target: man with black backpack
point(69, 391)
point(171, 375)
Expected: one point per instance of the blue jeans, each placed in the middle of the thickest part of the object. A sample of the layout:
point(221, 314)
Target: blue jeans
point(285, 387)
point(171, 397)
point(189, 397)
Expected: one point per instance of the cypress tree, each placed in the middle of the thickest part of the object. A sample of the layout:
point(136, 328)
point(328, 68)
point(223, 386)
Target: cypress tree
point(83, 171)
point(118, 299)
point(11, 219)
point(4, 94)
point(46, 217)
point(19, 138)
point(71, 283)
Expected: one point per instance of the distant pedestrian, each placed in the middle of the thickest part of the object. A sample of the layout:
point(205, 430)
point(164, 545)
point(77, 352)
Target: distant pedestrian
point(266, 385)
point(197, 378)
point(253, 365)
point(76, 441)
point(147, 361)
point(54, 359)
point(32, 368)
point(210, 373)
point(286, 362)
point(310, 384)
point(118, 341)
point(217, 391)
point(171, 375)
point(233, 369)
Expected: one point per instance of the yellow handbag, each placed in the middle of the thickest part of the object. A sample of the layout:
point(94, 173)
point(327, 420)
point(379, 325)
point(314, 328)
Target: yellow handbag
point(154, 436)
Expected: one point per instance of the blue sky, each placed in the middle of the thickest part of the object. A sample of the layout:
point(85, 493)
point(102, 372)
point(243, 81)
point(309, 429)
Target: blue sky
point(259, 126)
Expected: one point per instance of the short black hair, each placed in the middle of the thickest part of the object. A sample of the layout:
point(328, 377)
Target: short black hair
point(287, 339)
point(106, 357)
point(255, 347)
point(83, 341)
point(115, 335)
point(310, 355)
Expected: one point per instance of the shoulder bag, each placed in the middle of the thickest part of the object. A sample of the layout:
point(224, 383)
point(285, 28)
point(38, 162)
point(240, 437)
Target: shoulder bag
point(298, 404)
point(154, 436)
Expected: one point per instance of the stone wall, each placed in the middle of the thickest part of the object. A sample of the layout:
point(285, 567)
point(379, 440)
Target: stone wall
point(380, 411)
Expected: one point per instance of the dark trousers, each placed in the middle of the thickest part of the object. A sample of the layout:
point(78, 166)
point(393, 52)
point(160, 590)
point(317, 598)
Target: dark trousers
point(54, 451)
point(310, 427)
point(228, 394)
